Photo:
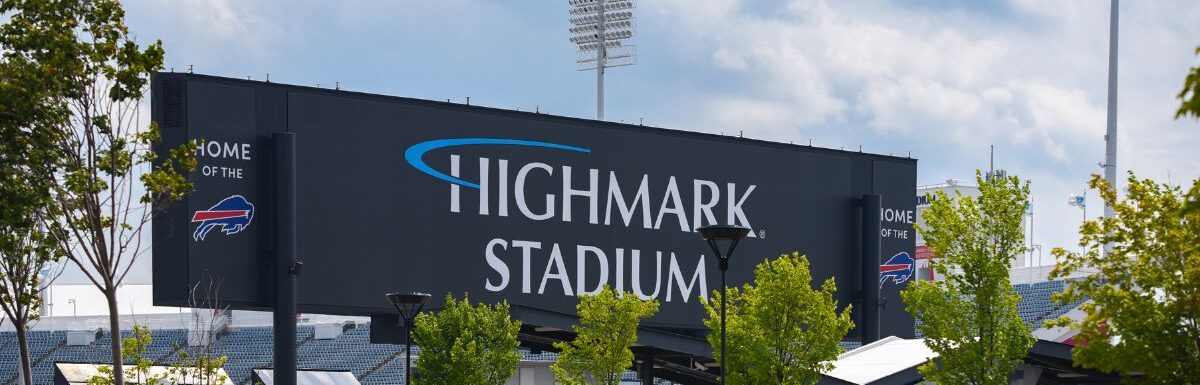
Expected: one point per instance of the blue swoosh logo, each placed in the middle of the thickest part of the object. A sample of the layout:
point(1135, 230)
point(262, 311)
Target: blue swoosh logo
point(415, 154)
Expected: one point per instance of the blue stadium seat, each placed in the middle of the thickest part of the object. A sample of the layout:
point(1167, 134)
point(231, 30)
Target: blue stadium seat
point(375, 364)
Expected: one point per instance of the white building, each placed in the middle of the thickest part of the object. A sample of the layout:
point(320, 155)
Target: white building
point(953, 188)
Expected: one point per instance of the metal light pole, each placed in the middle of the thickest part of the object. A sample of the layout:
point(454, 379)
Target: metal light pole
point(715, 234)
point(408, 305)
point(1029, 235)
point(1110, 137)
point(1080, 201)
point(600, 61)
point(598, 29)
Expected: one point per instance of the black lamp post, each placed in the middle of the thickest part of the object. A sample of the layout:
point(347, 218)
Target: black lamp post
point(408, 304)
point(716, 234)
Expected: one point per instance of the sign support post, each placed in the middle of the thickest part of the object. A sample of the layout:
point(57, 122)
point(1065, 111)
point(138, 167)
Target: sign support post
point(869, 326)
point(646, 369)
point(286, 267)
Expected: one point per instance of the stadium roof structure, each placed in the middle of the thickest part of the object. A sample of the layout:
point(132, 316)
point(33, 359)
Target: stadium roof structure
point(891, 360)
point(70, 373)
point(308, 377)
point(675, 355)
point(1050, 362)
point(894, 361)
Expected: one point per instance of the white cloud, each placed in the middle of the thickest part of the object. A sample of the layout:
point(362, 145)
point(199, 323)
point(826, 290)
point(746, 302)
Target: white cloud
point(210, 33)
point(913, 102)
point(950, 81)
point(902, 74)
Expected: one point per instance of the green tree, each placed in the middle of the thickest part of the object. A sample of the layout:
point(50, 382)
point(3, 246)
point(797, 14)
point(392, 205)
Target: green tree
point(30, 110)
point(467, 345)
point(134, 347)
point(25, 256)
point(969, 318)
point(780, 329)
point(98, 73)
point(1143, 301)
point(1189, 97)
point(201, 367)
point(600, 353)
point(26, 252)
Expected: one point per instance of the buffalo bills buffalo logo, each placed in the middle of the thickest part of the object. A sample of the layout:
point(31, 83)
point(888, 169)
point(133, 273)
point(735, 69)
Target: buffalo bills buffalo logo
point(899, 268)
point(231, 214)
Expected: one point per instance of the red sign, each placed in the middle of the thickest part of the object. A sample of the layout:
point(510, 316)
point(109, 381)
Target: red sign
point(923, 252)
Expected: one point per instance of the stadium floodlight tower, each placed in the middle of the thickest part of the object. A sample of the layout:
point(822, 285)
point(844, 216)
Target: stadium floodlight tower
point(599, 28)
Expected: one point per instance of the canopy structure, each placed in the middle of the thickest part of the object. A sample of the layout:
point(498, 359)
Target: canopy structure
point(1050, 362)
point(892, 360)
point(308, 377)
point(69, 373)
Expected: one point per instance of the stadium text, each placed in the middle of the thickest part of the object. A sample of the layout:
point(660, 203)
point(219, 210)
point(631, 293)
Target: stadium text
point(678, 282)
point(626, 203)
point(218, 150)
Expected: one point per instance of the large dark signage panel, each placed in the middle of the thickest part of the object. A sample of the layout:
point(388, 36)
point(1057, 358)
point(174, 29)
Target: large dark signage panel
point(400, 194)
point(897, 244)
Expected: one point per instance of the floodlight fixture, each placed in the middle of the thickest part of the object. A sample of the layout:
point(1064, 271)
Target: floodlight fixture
point(594, 46)
point(599, 29)
point(590, 30)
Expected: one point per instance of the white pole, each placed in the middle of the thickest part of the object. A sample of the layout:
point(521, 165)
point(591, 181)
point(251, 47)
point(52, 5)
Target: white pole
point(1110, 152)
point(601, 54)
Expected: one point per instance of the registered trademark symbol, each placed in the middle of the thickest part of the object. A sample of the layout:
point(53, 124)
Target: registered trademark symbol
point(762, 234)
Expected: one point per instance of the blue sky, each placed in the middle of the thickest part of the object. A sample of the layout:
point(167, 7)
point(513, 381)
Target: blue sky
point(943, 79)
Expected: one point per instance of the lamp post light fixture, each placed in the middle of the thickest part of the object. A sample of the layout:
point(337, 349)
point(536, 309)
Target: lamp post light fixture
point(715, 235)
point(408, 305)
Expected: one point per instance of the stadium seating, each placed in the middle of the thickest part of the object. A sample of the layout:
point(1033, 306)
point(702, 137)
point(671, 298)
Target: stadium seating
point(374, 364)
point(1035, 306)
